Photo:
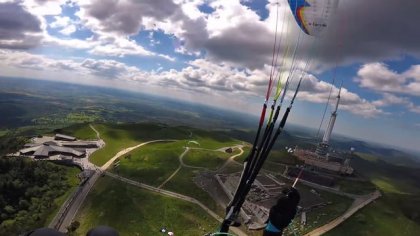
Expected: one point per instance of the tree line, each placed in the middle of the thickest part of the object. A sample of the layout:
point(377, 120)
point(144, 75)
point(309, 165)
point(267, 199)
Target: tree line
point(27, 193)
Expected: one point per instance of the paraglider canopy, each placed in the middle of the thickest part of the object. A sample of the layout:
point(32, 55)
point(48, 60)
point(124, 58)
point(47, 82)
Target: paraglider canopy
point(312, 15)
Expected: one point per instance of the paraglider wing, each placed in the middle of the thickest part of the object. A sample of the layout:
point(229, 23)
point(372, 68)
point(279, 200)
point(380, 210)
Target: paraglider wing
point(312, 15)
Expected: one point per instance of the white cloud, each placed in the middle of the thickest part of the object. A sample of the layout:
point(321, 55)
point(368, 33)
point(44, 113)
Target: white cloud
point(235, 41)
point(70, 43)
point(317, 91)
point(44, 7)
point(390, 99)
point(201, 76)
point(108, 69)
point(378, 77)
point(25, 26)
point(66, 25)
point(119, 47)
point(39, 63)
point(205, 76)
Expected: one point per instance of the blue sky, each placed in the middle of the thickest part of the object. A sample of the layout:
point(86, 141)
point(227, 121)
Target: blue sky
point(219, 53)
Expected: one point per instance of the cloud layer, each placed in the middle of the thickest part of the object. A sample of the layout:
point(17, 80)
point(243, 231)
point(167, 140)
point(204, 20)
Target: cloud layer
point(378, 77)
point(229, 45)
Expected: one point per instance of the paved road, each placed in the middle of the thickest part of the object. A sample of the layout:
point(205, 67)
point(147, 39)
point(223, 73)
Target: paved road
point(68, 210)
point(353, 209)
point(174, 195)
point(75, 203)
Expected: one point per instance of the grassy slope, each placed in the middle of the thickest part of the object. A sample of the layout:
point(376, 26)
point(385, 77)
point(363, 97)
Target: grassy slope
point(133, 211)
point(207, 159)
point(247, 150)
point(212, 140)
point(396, 212)
point(118, 137)
point(151, 164)
point(379, 218)
point(283, 157)
point(80, 131)
point(328, 213)
point(356, 187)
point(183, 183)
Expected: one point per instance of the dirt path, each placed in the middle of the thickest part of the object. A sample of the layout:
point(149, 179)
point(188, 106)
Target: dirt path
point(96, 131)
point(176, 171)
point(182, 164)
point(232, 158)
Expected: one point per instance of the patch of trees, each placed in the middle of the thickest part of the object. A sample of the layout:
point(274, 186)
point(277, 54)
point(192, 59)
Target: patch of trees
point(10, 143)
point(27, 193)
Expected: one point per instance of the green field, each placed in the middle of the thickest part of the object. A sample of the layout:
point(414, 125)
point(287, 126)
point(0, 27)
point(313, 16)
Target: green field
point(212, 140)
point(241, 158)
point(183, 183)
point(368, 157)
point(381, 217)
point(133, 211)
point(80, 131)
point(206, 158)
point(282, 157)
point(356, 187)
point(120, 136)
point(397, 212)
point(328, 213)
point(151, 164)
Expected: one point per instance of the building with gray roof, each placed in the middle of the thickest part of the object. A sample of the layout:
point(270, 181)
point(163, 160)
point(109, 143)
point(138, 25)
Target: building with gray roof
point(45, 151)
